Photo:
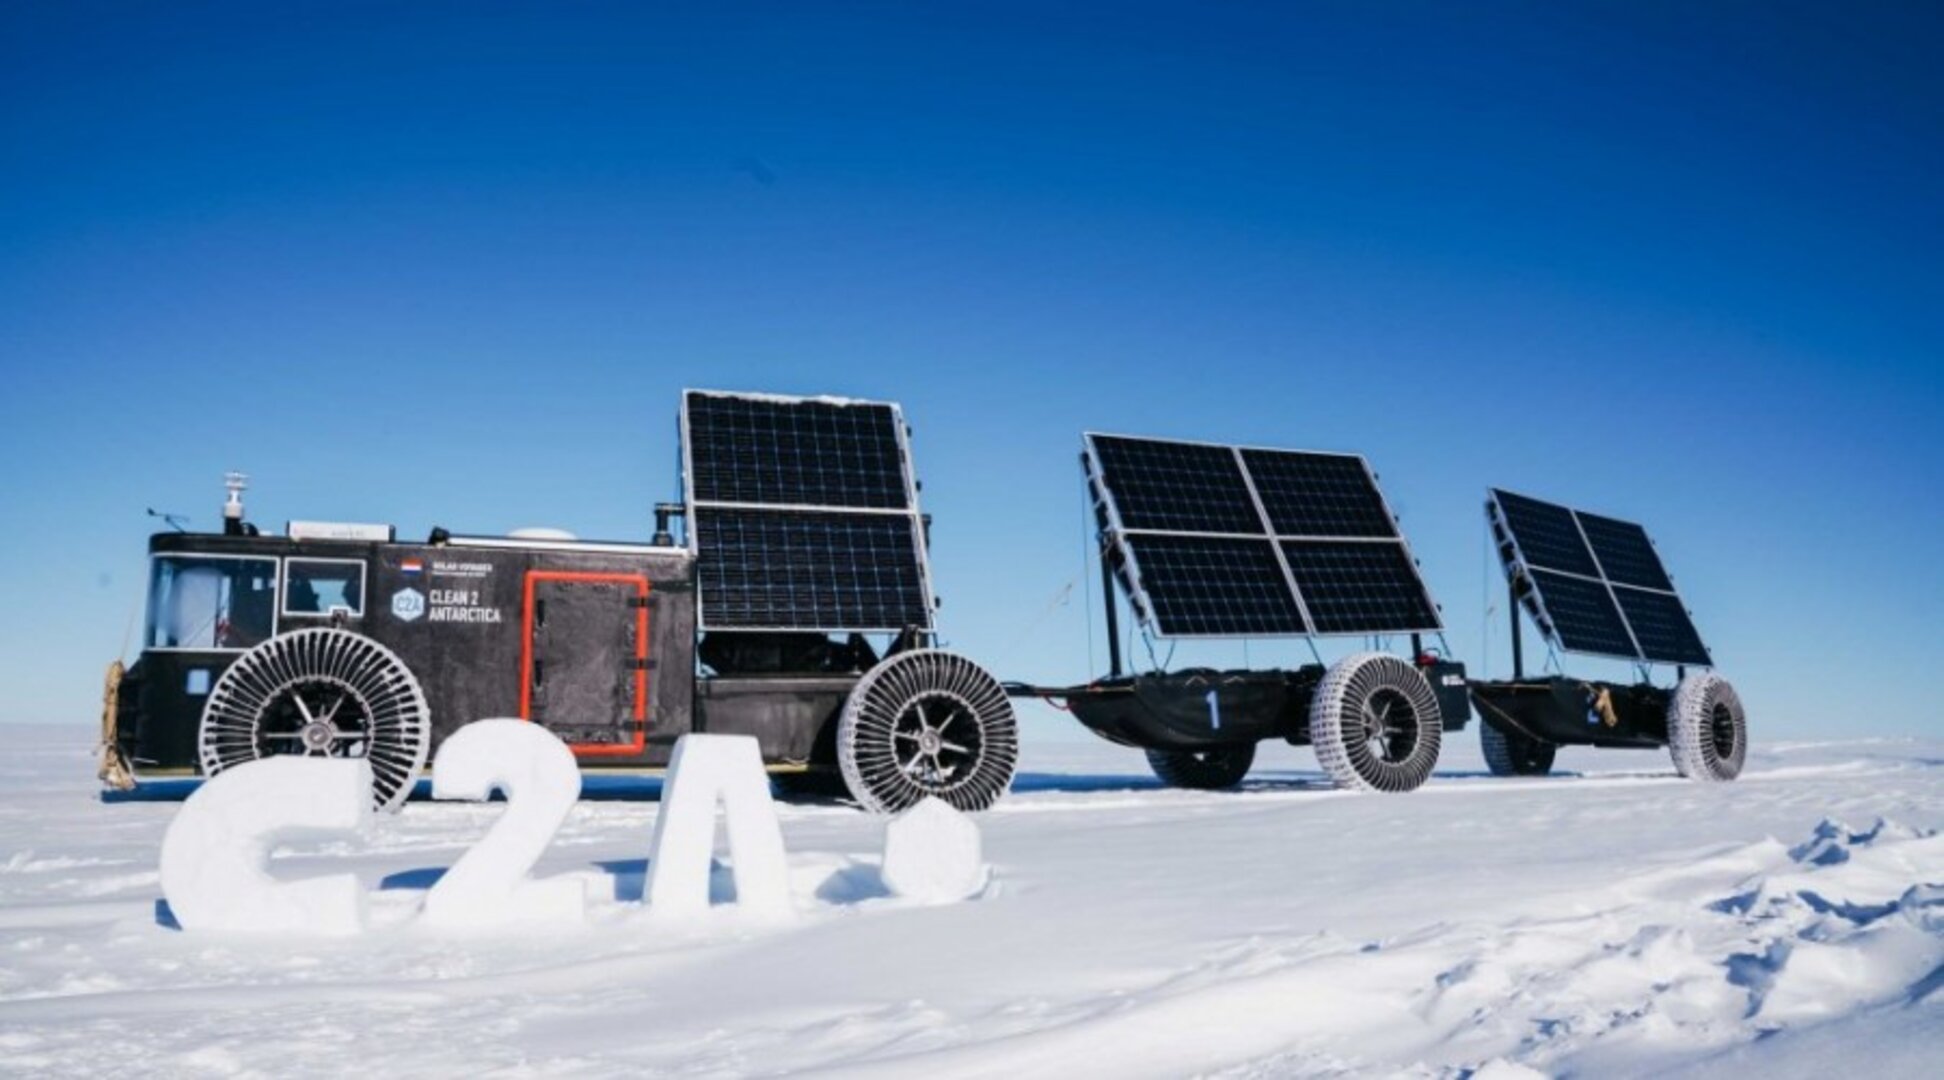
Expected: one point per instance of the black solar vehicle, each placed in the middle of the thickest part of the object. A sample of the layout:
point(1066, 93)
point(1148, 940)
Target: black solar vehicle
point(1212, 541)
point(1596, 585)
point(798, 609)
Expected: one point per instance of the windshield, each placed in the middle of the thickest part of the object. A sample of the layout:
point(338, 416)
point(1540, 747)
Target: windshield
point(211, 602)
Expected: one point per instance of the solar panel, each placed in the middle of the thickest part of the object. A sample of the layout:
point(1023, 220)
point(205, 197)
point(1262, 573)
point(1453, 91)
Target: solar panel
point(1661, 624)
point(1582, 615)
point(1598, 584)
point(1227, 541)
point(752, 450)
point(1179, 487)
point(1215, 586)
point(1548, 536)
point(1624, 553)
point(767, 569)
point(1359, 587)
point(803, 514)
point(1318, 494)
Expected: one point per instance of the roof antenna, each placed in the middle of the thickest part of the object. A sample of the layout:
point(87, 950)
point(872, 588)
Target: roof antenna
point(178, 522)
point(234, 483)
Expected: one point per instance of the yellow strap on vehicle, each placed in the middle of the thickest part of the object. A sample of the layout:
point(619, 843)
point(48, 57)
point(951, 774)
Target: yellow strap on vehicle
point(114, 771)
point(1601, 701)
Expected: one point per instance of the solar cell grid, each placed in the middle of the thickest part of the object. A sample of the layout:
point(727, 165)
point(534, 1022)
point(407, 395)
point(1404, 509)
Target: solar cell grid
point(1614, 596)
point(1661, 624)
point(1214, 586)
point(1546, 534)
point(799, 453)
point(1211, 530)
point(809, 570)
point(1176, 487)
point(801, 515)
point(1359, 587)
point(1583, 614)
point(1626, 555)
point(1318, 494)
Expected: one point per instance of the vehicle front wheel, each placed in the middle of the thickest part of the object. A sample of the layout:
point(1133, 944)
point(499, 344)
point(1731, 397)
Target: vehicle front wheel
point(321, 692)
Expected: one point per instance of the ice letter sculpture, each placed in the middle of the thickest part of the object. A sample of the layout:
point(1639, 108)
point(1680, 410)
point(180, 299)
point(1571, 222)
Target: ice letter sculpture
point(215, 856)
point(489, 883)
point(707, 770)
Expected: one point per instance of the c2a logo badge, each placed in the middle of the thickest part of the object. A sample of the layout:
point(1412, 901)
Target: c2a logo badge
point(408, 605)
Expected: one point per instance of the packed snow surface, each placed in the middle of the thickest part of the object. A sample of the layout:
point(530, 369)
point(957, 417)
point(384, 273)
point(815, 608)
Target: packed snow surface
point(1611, 920)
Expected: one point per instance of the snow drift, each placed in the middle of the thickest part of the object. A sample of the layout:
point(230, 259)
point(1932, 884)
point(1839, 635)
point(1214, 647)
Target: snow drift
point(1610, 919)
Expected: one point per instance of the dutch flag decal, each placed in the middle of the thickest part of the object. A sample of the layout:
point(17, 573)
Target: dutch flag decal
point(412, 567)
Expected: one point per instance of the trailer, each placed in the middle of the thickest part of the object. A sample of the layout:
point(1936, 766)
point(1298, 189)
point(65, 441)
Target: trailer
point(1595, 585)
point(1213, 541)
point(796, 608)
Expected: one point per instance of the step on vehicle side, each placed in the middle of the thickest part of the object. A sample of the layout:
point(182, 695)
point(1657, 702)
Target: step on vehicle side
point(1596, 585)
point(798, 609)
point(1214, 541)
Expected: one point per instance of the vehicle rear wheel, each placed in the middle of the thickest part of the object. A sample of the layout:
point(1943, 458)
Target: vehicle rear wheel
point(1375, 724)
point(1509, 753)
point(1707, 731)
point(927, 723)
point(321, 692)
point(1203, 770)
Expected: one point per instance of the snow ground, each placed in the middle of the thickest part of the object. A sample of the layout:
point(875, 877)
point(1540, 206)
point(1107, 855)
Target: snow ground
point(1617, 920)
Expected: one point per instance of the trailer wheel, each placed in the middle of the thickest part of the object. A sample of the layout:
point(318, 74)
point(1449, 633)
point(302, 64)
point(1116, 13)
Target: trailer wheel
point(811, 784)
point(1375, 724)
point(927, 723)
point(1508, 753)
point(1707, 731)
point(321, 692)
point(1203, 770)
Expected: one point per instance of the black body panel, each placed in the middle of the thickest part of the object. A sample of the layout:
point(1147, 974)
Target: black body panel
point(459, 616)
point(1574, 712)
point(1202, 709)
point(787, 713)
point(1199, 709)
point(1453, 691)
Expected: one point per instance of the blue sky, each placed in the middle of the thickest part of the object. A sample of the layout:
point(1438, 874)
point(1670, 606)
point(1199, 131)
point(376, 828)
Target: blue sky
point(453, 265)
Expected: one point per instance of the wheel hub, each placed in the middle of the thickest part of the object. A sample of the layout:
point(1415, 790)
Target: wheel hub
point(317, 736)
point(1721, 728)
point(937, 738)
point(1389, 726)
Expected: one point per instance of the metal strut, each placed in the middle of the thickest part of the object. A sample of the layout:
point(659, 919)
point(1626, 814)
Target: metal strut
point(1518, 643)
point(1113, 614)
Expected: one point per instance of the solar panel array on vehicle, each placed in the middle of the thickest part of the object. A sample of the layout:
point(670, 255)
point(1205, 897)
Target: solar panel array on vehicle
point(1598, 585)
point(1228, 541)
point(802, 514)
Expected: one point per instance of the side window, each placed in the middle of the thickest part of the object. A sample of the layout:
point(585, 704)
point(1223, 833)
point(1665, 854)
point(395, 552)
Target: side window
point(319, 587)
point(211, 602)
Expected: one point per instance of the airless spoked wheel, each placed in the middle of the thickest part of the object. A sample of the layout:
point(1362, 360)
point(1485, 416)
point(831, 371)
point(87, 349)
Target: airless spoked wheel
point(1707, 731)
point(927, 722)
point(1509, 753)
point(322, 692)
point(1375, 724)
point(1208, 770)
